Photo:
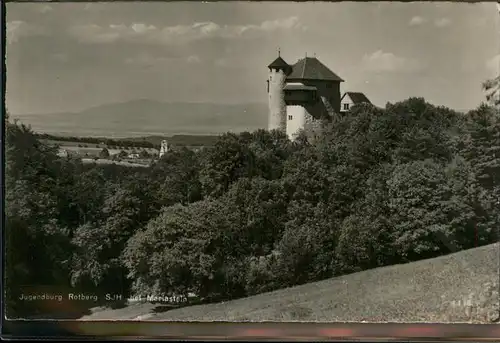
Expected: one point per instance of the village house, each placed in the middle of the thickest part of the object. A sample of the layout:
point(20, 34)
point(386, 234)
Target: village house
point(63, 153)
point(349, 99)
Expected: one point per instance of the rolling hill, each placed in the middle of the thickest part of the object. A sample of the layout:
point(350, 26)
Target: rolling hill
point(460, 287)
point(142, 117)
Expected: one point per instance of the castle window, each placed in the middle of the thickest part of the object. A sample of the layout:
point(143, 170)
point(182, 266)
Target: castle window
point(346, 107)
point(290, 117)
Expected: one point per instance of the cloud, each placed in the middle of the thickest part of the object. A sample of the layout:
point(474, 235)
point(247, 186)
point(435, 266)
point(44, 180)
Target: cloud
point(380, 61)
point(493, 65)
point(416, 21)
point(44, 9)
point(193, 59)
point(94, 34)
point(17, 29)
point(139, 28)
point(442, 22)
point(279, 24)
point(144, 33)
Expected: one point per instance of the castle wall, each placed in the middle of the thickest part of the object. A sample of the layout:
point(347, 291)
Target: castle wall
point(312, 127)
point(326, 89)
point(328, 108)
point(277, 106)
point(297, 116)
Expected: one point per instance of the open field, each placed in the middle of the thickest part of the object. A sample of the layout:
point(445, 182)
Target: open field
point(89, 147)
point(460, 287)
point(72, 144)
point(90, 151)
point(96, 151)
point(121, 163)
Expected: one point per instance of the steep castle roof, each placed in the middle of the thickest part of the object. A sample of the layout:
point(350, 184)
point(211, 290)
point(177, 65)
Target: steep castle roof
point(357, 97)
point(310, 68)
point(278, 63)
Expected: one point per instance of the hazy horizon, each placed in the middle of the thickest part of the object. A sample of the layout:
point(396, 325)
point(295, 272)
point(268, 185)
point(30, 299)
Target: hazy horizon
point(78, 111)
point(67, 57)
point(262, 103)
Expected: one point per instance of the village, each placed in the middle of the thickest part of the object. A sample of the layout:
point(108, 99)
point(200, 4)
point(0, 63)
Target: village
point(102, 153)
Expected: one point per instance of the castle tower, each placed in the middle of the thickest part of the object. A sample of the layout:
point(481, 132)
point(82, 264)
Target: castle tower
point(163, 148)
point(278, 71)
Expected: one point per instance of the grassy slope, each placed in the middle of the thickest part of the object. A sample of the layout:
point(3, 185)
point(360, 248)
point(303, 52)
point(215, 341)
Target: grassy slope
point(414, 292)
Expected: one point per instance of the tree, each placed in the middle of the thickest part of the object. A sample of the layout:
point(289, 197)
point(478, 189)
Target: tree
point(176, 178)
point(259, 207)
point(86, 194)
point(306, 248)
point(482, 144)
point(229, 160)
point(37, 243)
point(256, 211)
point(104, 154)
point(144, 154)
point(271, 150)
point(419, 199)
point(365, 236)
point(492, 88)
point(99, 243)
point(178, 252)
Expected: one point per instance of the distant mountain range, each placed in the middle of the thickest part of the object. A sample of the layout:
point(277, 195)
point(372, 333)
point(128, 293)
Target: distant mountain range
point(139, 118)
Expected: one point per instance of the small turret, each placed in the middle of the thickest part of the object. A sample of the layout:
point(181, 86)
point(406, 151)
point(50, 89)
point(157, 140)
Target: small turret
point(280, 64)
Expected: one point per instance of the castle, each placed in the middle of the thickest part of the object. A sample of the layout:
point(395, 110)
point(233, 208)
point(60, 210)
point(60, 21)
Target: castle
point(303, 94)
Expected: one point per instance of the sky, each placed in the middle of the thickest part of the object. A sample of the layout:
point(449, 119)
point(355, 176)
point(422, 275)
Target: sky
point(72, 56)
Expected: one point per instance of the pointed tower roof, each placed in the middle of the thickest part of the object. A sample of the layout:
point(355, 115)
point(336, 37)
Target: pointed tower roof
point(310, 68)
point(278, 63)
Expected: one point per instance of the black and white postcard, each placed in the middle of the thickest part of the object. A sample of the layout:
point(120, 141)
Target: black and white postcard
point(253, 161)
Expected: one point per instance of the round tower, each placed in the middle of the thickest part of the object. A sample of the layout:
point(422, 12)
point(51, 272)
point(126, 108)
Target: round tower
point(278, 71)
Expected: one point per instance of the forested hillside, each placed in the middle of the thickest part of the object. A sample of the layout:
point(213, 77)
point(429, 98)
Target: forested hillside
point(256, 212)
